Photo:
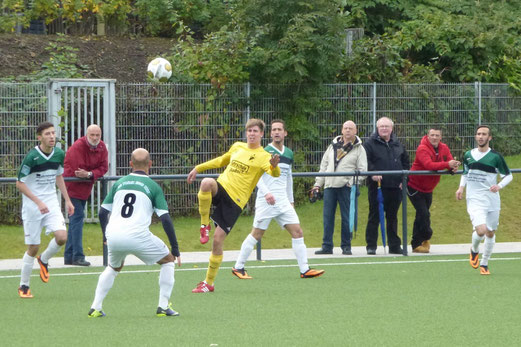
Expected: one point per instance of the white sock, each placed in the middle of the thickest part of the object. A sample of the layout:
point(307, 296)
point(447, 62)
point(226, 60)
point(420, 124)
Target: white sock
point(246, 249)
point(300, 250)
point(105, 282)
point(166, 283)
point(27, 268)
point(487, 249)
point(476, 240)
point(51, 250)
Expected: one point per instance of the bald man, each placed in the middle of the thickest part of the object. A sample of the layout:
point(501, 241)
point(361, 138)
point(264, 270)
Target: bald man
point(132, 200)
point(87, 158)
point(345, 153)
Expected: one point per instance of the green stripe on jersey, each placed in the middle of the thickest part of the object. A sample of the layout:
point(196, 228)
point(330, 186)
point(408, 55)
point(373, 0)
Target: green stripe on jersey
point(492, 162)
point(141, 183)
point(36, 161)
point(286, 156)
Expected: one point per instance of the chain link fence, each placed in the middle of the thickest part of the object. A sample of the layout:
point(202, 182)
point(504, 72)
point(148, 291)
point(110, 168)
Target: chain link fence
point(183, 125)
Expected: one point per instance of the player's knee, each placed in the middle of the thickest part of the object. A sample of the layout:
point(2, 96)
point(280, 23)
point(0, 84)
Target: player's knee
point(60, 237)
point(32, 250)
point(207, 184)
point(167, 259)
point(257, 234)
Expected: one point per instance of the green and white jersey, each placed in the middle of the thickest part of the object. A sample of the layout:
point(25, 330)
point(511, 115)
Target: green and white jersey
point(38, 171)
point(480, 170)
point(280, 187)
point(133, 199)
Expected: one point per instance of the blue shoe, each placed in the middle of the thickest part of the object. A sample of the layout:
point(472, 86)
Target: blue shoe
point(163, 312)
point(95, 313)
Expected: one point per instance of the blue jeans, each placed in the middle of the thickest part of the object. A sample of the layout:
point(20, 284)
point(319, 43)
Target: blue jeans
point(74, 247)
point(332, 196)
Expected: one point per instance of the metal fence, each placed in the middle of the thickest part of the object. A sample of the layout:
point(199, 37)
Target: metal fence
point(182, 125)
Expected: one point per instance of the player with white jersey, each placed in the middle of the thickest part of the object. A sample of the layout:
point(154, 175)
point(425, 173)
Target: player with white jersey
point(132, 201)
point(275, 201)
point(481, 166)
point(41, 171)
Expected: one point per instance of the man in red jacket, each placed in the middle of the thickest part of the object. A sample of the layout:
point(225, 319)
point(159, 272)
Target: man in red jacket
point(87, 158)
point(432, 154)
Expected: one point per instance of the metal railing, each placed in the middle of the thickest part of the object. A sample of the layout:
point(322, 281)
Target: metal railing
point(403, 173)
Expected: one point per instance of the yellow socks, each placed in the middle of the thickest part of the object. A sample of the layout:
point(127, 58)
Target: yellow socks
point(213, 268)
point(205, 202)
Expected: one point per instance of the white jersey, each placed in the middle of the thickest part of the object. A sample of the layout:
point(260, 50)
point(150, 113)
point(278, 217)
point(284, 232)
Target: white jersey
point(480, 170)
point(38, 171)
point(133, 200)
point(280, 187)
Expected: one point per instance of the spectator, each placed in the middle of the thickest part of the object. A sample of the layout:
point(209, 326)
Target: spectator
point(87, 158)
point(432, 154)
point(345, 153)
point(385, 152)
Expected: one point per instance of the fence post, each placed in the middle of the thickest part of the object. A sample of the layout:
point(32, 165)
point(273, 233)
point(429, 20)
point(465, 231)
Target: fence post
point(374, 107)
point(404, 211)
point(259, 250)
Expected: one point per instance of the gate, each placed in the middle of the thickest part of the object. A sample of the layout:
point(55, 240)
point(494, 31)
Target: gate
point(74, 104)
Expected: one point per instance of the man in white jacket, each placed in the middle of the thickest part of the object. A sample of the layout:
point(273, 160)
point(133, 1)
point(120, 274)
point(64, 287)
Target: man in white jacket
point(344, 154)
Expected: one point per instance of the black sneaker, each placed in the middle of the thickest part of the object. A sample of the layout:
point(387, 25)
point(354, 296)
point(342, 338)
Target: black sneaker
point(347, 251)
point(371, 251)
point(324, 251)
point(396, 250)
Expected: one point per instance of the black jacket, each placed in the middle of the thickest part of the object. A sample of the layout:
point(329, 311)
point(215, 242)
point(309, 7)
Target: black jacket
point(383, 155)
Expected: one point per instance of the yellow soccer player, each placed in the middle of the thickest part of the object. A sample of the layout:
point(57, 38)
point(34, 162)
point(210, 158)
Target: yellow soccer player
point(245, 163)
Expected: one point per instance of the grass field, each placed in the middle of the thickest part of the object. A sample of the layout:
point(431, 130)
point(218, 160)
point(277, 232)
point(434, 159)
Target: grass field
point(382, 301)
point(449, 217)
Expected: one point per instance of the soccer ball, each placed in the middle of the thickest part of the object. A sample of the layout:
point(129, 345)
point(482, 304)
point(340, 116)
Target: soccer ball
point(159, 69)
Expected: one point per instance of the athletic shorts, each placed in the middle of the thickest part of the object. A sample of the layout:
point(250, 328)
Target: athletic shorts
point(481, 215)
point(226, 211)
point(51, 221)
point(283, 213)
point(149, 248)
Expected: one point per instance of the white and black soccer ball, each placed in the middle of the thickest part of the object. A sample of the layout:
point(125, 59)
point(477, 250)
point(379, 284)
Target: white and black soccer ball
point(159, 69)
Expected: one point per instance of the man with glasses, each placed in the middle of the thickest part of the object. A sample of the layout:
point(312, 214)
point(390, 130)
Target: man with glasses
point(385, 152)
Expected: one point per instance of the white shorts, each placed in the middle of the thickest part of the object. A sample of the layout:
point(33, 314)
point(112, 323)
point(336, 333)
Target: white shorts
point(150, 249)
point(51, 221)
point(481, 215)
point(283, 213)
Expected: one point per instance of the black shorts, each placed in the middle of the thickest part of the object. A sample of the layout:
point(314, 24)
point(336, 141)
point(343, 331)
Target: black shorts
point(226, 211)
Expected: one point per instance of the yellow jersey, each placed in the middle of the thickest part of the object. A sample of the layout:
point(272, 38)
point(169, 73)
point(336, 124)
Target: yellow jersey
point(244, 168)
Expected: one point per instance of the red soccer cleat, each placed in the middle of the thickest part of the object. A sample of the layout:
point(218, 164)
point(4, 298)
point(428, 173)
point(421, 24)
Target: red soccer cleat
point(205, 233)
point(203, 287)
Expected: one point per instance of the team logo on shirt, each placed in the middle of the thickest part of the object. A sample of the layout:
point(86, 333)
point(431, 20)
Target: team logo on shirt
point(252, 157)
point(238, 167)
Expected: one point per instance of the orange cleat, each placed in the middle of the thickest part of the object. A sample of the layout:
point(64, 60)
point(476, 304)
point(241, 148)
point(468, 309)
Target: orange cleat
point(44, 270)
point(24, 292)
point(241, 273)
point(312, 273)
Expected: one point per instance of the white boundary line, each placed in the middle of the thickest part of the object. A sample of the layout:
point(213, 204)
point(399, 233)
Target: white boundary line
point(276, 266)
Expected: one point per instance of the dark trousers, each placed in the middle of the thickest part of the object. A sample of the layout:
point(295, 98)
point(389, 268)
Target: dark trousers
point(392, 201)
point(332, 197)
point(422, 223)
point(74, 247)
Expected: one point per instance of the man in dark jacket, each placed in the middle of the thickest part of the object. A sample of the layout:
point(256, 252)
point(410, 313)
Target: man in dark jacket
point(432, 154)
point(87, 158)
point(385, 152)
